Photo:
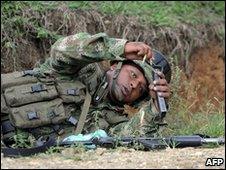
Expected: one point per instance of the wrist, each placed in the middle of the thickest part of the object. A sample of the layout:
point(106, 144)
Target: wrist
point(125, 48)
point(118, 49)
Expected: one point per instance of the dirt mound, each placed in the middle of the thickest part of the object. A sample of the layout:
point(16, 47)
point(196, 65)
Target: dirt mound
point(206, 78)
point(27, 54)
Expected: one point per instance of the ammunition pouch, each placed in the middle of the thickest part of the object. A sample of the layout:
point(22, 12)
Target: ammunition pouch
point(29, 102)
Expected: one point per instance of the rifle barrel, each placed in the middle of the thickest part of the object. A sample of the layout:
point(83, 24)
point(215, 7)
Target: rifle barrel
point(219, 141)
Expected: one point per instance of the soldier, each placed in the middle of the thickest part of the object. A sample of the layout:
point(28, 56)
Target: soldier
point(88, 97)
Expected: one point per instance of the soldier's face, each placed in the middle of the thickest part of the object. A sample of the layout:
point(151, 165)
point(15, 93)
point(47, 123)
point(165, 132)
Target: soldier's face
point(130, 84)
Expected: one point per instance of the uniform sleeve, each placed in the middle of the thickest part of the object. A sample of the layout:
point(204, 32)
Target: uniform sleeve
point(70, 54)
point(145, 123)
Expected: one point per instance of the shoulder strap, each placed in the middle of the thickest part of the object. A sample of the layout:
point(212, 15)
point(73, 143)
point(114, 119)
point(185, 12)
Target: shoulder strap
point(85, 110)
point(13, 152)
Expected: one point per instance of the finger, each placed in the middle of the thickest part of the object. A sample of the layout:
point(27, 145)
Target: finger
point(152, 94)
point(146, 48)
point(149, 55)
point(162, 82)
point(147, 51)
point(151, 87)
point(164, 94)
point(141, 52)
point(161, 89)
point(160, 74)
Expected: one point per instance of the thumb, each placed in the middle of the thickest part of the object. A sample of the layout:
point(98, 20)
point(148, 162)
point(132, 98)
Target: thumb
point(141, 52)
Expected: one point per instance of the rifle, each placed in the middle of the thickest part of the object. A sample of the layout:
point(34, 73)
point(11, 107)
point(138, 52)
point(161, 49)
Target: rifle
point(110, 142)
point(157, 143)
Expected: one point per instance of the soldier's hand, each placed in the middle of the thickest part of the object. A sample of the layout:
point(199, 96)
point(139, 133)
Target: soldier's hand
point(137, 50)
point(160, 86)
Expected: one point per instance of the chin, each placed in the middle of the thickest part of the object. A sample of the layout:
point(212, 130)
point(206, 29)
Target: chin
point(117, 94)
point(128, 102)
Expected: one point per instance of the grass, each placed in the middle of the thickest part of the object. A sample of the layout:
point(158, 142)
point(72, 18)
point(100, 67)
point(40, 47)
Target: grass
point(168, 13)
point(152, 13)
point(208, 119)
point(176, 21)
point(186, 123)
point(159, 13)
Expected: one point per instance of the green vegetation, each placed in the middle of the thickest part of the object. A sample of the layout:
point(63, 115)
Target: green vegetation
point(23, 140)
point(209, 119)
point(167, 13)
point(184, 122)
point(13, 17)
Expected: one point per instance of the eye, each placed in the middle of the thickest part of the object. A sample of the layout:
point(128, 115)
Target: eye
point(133, 74)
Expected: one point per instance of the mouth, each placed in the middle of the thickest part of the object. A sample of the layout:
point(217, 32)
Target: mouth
point(125, 91)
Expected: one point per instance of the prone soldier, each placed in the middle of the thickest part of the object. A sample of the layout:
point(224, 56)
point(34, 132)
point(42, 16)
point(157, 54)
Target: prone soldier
point(72, 93)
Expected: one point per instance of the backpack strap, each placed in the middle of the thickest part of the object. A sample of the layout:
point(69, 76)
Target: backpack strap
point(117, 70)
point(85, 110)
point(41, 147)
point(6, 127)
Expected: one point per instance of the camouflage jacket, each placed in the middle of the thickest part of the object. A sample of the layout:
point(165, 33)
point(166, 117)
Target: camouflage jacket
point(78, 57)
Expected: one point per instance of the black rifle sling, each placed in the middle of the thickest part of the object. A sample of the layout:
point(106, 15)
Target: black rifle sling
point(13, 152)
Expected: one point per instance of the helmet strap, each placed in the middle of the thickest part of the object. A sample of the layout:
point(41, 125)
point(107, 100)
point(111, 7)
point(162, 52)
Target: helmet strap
point(116, 73)
point(117, 70)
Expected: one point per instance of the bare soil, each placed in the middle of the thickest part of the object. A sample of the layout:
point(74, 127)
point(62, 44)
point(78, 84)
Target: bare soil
point(206, 77)
point(122, 158)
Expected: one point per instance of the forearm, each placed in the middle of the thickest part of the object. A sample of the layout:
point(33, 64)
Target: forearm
point(70, 54)
point(82, 50)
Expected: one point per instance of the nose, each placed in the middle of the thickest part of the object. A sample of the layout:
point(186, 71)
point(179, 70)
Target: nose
point(134, 84)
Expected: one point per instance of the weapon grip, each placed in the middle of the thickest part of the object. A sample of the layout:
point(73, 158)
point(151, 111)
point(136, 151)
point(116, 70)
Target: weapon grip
point(160, 100)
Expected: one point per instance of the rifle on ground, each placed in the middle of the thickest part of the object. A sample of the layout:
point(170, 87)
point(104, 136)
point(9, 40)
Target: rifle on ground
point(110, 142)
point(158, 143)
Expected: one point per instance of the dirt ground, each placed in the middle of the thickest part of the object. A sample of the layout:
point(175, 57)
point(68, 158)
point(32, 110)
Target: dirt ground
point(122, 158)
point(206, 77)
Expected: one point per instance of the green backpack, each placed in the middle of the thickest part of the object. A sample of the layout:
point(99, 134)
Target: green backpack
point(29, 102)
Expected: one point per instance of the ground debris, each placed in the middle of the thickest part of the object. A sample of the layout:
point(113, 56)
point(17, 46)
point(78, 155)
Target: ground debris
point(186, 158)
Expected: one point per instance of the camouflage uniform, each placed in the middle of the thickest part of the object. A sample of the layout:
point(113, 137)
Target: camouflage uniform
point(78, 57)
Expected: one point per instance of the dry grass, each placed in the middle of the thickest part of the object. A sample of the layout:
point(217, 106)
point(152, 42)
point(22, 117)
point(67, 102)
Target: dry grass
point(122, 158)
point(40, 28)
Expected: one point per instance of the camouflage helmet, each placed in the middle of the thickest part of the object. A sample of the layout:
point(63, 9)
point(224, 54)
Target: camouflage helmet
point(160, 62)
